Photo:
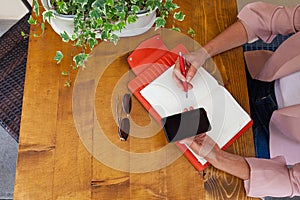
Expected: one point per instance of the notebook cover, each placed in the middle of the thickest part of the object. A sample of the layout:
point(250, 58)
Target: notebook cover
point(147, 53)
point(151, 72)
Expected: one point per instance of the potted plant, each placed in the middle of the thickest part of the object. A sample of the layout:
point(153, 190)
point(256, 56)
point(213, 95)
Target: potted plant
point(106, 20)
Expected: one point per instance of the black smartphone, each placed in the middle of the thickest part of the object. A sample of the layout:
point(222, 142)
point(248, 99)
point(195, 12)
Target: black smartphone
point(186, 124)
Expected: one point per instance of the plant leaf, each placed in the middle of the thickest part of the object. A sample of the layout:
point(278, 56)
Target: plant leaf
point(121, 25)
point(191, 32)
point(61, 7)
point(159, 22)
point(122, 15)
point(92, 42)
point(99, 4)
point(24, 34)
point(74, 37)
point(31, 20)
point(95, 13)
point(68, 83)
point(152, 4)
point(110, 3)
point(135, 9)
point(115, 27)
point(170, 5)
point(82, 3)
point(114, 38)
point(179, 16)
point(43, 27)
point(58, 57)
point(64, 73)
point(47, 16)
point(131, 19)
point(176, 29)
point(80, 59)
point(36, 9)
point(64, 36)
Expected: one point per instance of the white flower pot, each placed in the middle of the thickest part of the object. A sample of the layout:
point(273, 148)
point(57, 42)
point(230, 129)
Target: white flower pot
point(143, 23)
point(61, 23)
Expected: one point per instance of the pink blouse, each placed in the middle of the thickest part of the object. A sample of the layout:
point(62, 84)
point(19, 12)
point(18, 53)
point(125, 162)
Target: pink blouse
point(272, 177)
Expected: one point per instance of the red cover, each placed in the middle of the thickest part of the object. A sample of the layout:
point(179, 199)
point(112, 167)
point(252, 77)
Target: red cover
point(149, 69)
point(147, 53)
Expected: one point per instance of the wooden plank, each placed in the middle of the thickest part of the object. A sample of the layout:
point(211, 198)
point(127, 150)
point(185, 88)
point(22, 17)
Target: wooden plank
point(72, 163)
point(110, 183)
point(34, 174)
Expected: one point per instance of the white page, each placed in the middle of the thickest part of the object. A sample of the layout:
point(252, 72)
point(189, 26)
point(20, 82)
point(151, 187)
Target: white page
point(226, 116)
point(167, 98)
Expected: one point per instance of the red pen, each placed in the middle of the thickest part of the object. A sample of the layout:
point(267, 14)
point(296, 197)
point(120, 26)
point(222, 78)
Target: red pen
point(183, 72)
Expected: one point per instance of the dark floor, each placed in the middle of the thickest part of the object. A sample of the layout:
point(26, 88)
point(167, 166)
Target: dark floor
point(8, 146)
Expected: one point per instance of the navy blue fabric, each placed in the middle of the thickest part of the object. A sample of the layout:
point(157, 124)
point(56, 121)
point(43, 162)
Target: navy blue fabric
point(262, 100)
point(262, 104)
point(260, 45)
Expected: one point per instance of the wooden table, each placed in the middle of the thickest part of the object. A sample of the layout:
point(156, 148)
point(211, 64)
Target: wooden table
point(63, 156)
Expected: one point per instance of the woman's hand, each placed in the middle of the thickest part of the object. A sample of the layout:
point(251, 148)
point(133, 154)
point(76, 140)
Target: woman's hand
point(194, 61)
point(204, 146)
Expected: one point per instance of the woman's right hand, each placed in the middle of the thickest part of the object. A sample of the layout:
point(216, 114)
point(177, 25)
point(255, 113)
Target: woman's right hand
point(204, 146)
point(194, 61)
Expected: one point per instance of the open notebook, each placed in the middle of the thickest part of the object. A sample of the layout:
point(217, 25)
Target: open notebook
point(226, 116)
point(154, 87)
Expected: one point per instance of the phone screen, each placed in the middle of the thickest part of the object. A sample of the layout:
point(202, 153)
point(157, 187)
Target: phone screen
point(186, 124)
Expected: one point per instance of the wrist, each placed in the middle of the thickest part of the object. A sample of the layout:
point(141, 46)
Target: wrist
point(215, 156)
point(209, 50)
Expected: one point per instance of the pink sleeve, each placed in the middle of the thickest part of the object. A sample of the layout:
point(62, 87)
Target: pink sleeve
point(265, 20)
point(271, 177)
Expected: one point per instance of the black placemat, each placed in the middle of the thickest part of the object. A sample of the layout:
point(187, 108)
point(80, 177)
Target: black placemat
point(13, 58)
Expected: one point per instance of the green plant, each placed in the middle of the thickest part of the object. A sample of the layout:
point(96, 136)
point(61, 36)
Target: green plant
point(101, 19)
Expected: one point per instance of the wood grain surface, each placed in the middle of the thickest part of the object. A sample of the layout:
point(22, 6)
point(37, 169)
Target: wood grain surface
point(69, 147)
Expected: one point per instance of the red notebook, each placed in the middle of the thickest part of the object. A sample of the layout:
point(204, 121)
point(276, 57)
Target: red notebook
point(151, 86)
point(147, 53)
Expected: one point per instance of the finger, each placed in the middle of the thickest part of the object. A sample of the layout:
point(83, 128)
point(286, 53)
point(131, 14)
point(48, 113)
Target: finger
point(191, 73)
point(187, 63)
point(179, 78)
point(191, 108)
point(200, 137)
point(177, 81)
point(185, 110)
point(179, 74)
point(177, 71)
